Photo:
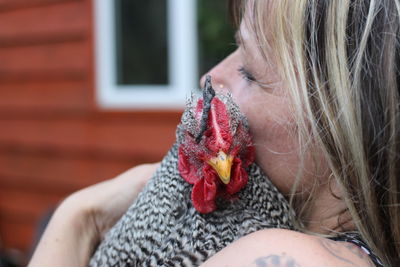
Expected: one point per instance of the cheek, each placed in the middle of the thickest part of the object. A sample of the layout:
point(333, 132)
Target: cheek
point(278, 156)
point(278, 150)
point(274, 135)
point(277, 147)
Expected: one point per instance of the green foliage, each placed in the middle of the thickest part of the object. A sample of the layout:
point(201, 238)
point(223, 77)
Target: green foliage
point(215, 33)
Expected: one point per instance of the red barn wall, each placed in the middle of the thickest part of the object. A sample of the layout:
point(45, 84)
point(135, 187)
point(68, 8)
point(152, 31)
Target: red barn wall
point(53, 138)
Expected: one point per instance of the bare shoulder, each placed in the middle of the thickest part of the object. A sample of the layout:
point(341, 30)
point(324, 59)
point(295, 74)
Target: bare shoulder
point(143, 168)
point(279, 247)
point(141, 172)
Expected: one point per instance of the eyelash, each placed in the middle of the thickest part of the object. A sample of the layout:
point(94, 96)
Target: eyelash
point(246, 74)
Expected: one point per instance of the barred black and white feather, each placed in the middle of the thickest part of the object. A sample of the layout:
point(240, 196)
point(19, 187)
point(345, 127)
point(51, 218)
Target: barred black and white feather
point(162, 228)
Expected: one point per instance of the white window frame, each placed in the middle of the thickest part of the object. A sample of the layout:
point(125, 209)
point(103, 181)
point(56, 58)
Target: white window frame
point(182, 61)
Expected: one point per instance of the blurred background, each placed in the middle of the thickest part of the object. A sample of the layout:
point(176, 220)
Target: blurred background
point(88, 89)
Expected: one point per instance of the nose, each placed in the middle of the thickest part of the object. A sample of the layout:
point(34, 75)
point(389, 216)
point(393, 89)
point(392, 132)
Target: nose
point(222, 73)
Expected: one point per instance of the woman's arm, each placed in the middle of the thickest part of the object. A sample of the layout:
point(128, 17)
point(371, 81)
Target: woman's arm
point(81, 221)
point(278, 247)
point(69, 237)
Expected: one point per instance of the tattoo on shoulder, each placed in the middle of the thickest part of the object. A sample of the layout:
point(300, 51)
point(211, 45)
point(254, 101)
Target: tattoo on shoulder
point(275, 260)
point(336, 249)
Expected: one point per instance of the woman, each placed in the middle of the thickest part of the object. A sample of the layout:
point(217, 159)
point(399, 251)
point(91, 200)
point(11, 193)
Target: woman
point(318, 81)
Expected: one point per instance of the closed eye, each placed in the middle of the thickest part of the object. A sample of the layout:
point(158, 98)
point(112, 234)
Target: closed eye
point(246, 74)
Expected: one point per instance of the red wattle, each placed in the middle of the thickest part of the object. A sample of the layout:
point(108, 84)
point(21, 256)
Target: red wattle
point(239, 177)
point(210, 183)
point(204, 192)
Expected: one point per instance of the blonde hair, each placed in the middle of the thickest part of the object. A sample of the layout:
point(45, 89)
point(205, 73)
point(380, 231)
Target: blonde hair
point(341, 62)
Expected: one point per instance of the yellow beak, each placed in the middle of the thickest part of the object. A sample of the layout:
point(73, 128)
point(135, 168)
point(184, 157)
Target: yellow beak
point(222, 164)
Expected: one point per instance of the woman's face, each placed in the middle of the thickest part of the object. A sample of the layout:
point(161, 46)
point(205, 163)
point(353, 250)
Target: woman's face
point(260, 93)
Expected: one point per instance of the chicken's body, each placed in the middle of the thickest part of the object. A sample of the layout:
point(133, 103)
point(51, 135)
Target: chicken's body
point(162, 227)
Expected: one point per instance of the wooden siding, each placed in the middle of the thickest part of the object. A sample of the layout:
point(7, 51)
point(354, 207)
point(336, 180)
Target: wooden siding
point(53, 138)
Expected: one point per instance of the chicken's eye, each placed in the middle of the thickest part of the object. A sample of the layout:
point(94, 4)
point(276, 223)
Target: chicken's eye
point(247, 76)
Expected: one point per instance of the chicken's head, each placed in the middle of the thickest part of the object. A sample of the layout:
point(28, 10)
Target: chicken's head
point(215, 149)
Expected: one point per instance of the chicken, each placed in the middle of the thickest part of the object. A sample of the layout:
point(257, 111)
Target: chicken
point(207, 193)
point(215, 160)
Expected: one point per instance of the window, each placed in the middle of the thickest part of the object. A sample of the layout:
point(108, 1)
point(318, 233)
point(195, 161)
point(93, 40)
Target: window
point(147, 52)
point(141, 38)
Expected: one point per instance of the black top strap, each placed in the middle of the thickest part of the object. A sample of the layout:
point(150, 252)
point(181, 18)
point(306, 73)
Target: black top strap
point(355, 238)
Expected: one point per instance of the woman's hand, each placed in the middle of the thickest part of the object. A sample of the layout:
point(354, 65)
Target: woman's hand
point(82, 220)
